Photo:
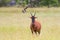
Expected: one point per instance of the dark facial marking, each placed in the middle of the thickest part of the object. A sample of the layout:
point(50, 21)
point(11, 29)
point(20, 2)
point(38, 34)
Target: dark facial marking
point(33, 19)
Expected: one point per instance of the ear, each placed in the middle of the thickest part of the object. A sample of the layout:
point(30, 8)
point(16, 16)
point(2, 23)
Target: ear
point(29, 17)
point(35, 17)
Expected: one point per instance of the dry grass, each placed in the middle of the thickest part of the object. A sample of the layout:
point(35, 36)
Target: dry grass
point(19, 10)
point(14, 25)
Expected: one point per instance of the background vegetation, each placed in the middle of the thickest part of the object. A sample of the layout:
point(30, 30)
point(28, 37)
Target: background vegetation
point(38, 3)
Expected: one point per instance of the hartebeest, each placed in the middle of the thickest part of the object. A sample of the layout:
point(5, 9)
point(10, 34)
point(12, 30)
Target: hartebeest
point(35, 25)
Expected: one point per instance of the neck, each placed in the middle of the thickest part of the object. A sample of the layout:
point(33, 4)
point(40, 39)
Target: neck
point(33, 20)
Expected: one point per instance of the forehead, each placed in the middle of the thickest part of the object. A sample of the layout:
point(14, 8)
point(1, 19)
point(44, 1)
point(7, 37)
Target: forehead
point(32, 16)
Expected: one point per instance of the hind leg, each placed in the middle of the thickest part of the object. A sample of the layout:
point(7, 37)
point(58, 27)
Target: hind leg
point(39, 32)
point(35, 31)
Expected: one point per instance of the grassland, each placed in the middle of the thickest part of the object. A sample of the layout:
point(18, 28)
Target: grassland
point(14, 25)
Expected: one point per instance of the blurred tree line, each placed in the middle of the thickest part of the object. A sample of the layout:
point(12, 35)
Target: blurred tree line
point(35, 3)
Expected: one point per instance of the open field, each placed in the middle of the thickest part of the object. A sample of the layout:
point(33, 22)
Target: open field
point(14, 25)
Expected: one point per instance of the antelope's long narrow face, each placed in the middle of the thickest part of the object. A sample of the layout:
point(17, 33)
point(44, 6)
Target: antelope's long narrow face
point(33, 18)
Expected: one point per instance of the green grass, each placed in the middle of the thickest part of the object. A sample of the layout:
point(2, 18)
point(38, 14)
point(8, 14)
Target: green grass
point(14, 25)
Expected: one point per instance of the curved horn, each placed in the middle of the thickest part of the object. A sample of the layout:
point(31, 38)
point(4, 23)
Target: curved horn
point(34, 13)
point(31, 13)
